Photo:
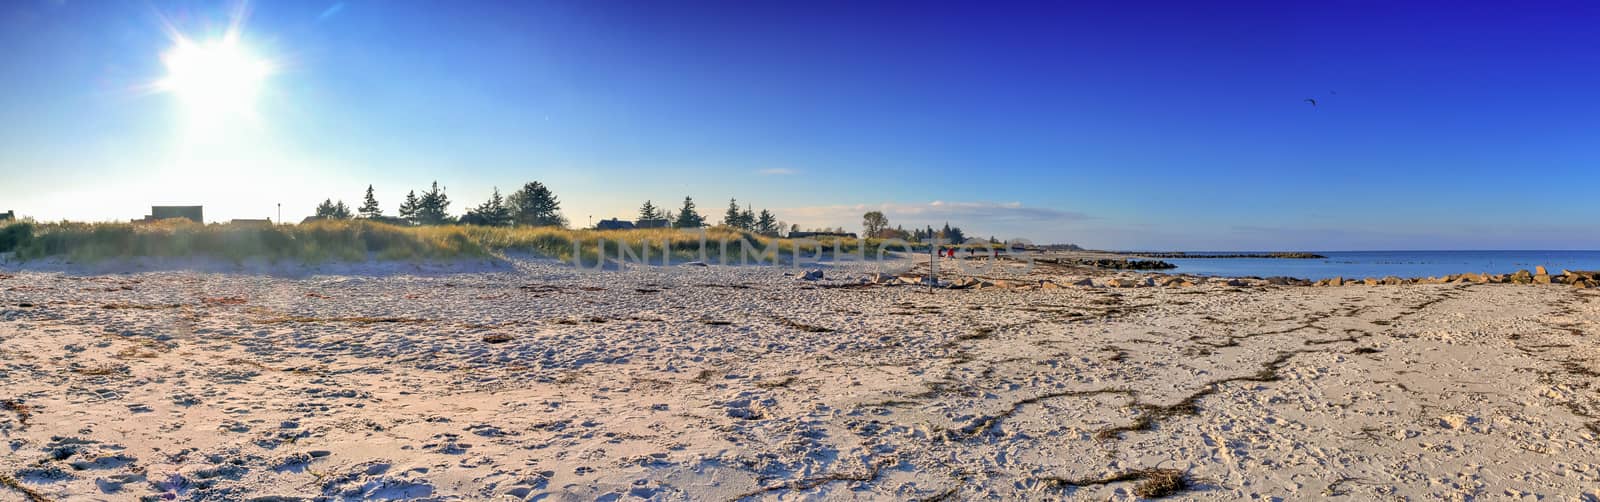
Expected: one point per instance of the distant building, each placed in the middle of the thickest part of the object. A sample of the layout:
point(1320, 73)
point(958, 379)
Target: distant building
point(652, 224)
point(8, 215)
point(803, 235)
point(614, 224)
point(192, 213)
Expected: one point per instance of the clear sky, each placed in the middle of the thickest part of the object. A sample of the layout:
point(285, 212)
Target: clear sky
point(1175, 125)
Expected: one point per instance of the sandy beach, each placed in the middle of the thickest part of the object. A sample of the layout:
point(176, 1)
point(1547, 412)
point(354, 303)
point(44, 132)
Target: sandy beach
point(538, 382)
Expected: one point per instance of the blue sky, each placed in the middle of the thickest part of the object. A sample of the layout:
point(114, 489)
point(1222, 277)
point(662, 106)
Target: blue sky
point(1115, 125)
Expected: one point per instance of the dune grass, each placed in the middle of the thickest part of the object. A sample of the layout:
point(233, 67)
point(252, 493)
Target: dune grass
point(360, 240)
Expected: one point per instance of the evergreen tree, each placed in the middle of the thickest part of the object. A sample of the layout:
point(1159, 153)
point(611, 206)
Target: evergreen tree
point(329, 210)
point(536, 205)
point(687, 217)
point(747, 219)
point(766, 224)
point(649, 212)
point(732, 218)
point(434, 206)
point(493, 213)
point(408, 209)
point(369, 207)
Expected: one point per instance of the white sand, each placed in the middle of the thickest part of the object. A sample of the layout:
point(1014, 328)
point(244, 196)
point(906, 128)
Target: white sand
point(710, 383)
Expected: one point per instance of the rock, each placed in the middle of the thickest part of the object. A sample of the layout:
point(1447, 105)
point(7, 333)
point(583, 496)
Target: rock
point(1186, 284)
point(1393, 281)
point(1539, 270)
point(1237, 283)
point(812, 275)
point(1582, 284)
point(1048, 285)
point(1455, 421)
point(1084, 282)
point(1337, 281)
point(1541, 278)
point(1167, 282)
point(696, 264)
point(1370, 281)
point(882, 278)
point(909, 280)
point(1522, 277)
point(1118, 282)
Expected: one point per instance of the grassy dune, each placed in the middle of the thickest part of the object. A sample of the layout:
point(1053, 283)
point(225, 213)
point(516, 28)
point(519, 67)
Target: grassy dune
point(358, 240)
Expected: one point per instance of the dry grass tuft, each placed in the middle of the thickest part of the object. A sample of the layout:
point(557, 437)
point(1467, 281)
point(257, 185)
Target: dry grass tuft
point(16, 406)
point(9, 482)
point(802, 326)
point(352, 319)
point(1153, 483)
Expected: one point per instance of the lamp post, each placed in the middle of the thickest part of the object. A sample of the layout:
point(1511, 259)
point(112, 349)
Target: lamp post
point(280, 213)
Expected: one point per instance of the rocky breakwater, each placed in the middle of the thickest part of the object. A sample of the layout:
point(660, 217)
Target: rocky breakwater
point(1578, 279)
point(1110, 263)
point(1180, 255)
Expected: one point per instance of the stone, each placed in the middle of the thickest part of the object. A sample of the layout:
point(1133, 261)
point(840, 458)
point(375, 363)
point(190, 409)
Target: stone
point(1048, 285)
point(1455, 421)
point(1118, 282)
point(1392, 281)
point(882, 278)
point(1370, 281)
point(1085, 282)
point(1539, 270)
point(1337, 281)
point(1541, 278)
point(812, 275)
point(1186, 284)
point(1522, 277)
point(1582, 284)
point(1167, 282)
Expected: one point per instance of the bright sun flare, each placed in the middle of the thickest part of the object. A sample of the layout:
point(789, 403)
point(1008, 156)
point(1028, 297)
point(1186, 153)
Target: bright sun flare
point(214, 79)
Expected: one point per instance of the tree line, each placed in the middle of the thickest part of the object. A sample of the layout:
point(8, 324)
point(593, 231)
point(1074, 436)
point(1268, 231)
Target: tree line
point(534, 204)
point(875, 224)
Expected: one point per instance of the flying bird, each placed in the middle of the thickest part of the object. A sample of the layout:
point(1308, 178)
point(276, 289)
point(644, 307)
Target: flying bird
point(1312, 101)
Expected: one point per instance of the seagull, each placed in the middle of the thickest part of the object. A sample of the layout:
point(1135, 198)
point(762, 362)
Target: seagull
point(1312, 101)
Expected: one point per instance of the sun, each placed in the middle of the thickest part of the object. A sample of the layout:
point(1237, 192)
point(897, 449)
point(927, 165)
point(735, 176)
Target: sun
point(214, 79)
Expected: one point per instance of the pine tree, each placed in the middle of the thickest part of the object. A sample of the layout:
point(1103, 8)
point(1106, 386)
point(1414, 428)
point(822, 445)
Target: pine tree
point(408, 209)
point(747, 219)
point(649, 212)
point(731, 217)
point(536, 205)
point(687, 217)
point(331, 211)
point(434, 207)
point(766, 224)
point(493, 212)
point(369, 207)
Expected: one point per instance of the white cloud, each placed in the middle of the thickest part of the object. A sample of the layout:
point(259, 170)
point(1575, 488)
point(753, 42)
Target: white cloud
point(777, 171)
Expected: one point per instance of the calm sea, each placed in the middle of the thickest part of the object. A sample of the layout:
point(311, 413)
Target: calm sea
point(1359, 264)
